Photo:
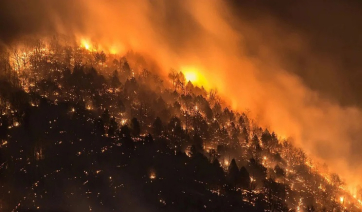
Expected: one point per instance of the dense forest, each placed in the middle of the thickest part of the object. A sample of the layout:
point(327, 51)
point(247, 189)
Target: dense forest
point(85, 130)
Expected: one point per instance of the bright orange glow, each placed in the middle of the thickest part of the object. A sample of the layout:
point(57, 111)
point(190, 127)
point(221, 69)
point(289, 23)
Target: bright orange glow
point(193, 75)
point(152, 176)
point(113, 51)
point(226, 162)
point(341, 199)
point(86, 44)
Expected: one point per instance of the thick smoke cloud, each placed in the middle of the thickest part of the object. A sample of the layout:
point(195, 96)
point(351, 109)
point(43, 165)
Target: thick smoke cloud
point(295, 65)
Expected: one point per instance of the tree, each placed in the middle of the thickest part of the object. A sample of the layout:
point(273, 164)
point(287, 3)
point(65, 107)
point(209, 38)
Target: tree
point(275, 192)
point(115, 81)
point(177, 106)
point(125, 132)
point(113, 126)
point(217, 108)
point(173, 77)
point(78, 77)
point(217, 175)
point(213, 97)
point(4, 125)
point(279, 172)
point(266, 137)
point(189, 87)
point(100, 126)
point(157, 127)
point(257, 170)
point(208, 112)
point(175, 126)
point(241, 121)
point(181, 80)
point(121, 106)
point(244, 178)
point(115, 63)
point(200, 125)
point(233, 173)
point(245, 135)
point(256, 145)
point(135, 127)
point(126, 140)
point(149, 139)
point(198, 142)
point(126, 69)
point(100, 57)
point(106, 117)
point(336, 181)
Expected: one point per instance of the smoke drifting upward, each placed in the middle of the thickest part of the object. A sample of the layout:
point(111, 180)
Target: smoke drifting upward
point(270, 59)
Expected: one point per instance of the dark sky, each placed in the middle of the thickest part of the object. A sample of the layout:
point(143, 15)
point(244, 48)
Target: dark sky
point(330, 65)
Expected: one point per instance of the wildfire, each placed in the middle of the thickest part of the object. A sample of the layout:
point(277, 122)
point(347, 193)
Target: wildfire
point(193, 75)
point(152, 176)
point(341, 199)
point(86, 44)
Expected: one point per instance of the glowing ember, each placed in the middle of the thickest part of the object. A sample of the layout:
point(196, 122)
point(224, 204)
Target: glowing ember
point(123, 121)
point(152, 176)
point(341, 199)
point(85, 44)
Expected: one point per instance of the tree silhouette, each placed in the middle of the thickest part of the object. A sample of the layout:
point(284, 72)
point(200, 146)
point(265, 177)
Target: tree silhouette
point(266, 137)
point(135, 127)
point(244, 178)
point(4, 125)
point(233, 174)
point(175, 127)
point(100, 127)
point(113, 126)
point(125, 132)
point(149, 139)
point(126, 69)
point(100, 57)
point(121, 106)
point(257, 170)
point(106, 117)
point(217, 175)
point(198, 143)
point(279, 172)
point(157, 127)
point(126, 140)
point(115, 81)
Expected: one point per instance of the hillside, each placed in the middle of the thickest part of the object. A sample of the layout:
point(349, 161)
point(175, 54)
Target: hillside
point(84, 130)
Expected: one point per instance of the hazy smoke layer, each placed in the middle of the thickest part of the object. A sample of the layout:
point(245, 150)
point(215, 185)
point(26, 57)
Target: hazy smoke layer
point(289, 66)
